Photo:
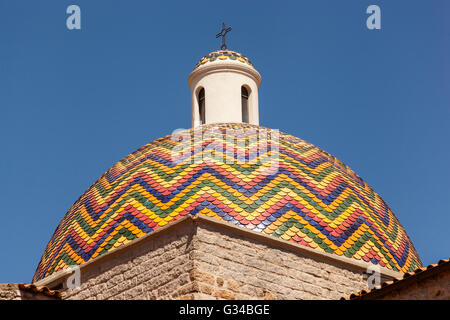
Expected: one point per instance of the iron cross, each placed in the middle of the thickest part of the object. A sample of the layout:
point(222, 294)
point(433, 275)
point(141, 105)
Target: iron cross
point(222, 34)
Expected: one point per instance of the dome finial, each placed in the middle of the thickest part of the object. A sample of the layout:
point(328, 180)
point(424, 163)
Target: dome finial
point(222, 34)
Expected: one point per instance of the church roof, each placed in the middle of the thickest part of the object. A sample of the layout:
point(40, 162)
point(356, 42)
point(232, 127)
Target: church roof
point(308, 197)
point(408, 279)
point(40, 290)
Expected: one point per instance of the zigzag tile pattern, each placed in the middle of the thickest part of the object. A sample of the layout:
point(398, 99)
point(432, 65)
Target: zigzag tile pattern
point(312, 198)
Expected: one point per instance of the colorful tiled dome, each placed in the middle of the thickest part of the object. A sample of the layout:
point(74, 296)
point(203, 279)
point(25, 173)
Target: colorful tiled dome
point(311, 198)
point(223, 55)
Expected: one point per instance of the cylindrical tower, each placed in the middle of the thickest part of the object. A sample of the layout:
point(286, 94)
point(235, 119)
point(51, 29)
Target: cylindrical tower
point(224, 88)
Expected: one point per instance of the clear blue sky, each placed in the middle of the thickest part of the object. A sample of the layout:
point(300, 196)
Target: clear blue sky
point(72, 103)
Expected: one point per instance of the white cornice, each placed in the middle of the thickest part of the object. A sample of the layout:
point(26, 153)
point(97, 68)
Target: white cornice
point(225, 67)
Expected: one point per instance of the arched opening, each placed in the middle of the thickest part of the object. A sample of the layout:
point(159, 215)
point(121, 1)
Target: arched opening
point(244, 102)
point(201, 105)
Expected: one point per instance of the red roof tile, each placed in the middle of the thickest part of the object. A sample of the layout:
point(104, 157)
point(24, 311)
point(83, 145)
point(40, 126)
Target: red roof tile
point(398, 282)
point(40, 289)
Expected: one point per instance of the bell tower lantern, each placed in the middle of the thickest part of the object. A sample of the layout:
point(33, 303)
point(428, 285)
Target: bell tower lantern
point(224, 88)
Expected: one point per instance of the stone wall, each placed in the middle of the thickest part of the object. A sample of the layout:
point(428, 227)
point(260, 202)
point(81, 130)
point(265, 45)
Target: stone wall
point(9, 291)
point(234, 266)
point(436, 287)
point(203, 259)
point(155, 269)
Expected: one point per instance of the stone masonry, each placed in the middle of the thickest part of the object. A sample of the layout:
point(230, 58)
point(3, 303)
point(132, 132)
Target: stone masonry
point(433, 288)
point(430, 283)
point(203, 258)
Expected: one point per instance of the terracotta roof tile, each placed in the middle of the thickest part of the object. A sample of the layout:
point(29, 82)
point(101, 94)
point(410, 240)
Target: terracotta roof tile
point(40, 289)
point(397, 281)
